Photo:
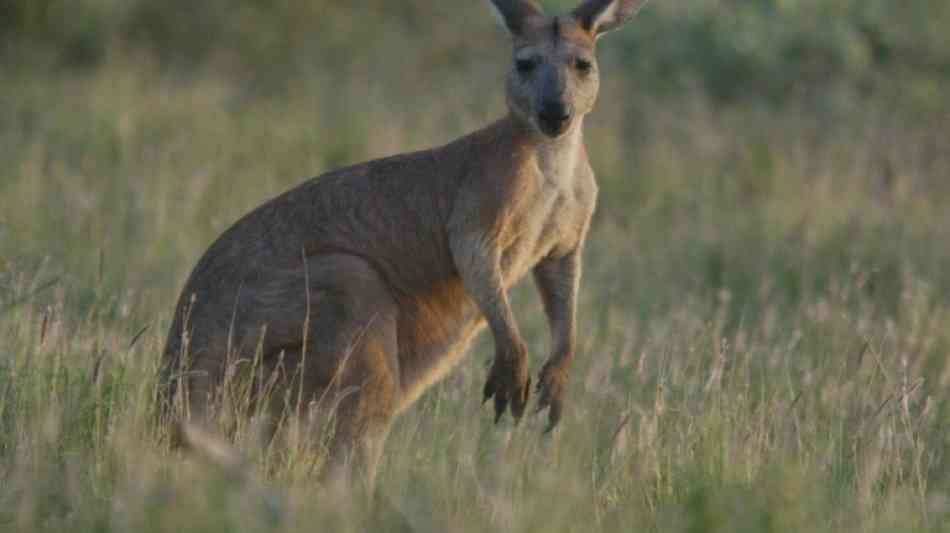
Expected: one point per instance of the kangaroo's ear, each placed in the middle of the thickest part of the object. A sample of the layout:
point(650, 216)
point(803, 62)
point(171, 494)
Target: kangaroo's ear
point(515, 14)
point(601, 16)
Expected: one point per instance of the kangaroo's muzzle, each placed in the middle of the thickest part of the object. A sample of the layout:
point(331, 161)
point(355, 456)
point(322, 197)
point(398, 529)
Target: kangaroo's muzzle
point(554, 117)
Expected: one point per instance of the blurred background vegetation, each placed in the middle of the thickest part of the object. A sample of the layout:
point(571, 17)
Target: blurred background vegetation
point(765, 318)
point(721, 105)
point(835, 54)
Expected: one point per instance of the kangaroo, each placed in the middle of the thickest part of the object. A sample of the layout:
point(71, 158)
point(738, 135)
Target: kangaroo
point(368, 283)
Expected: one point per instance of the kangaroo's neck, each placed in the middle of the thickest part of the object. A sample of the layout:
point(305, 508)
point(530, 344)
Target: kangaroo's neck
point(557, 159)
point(554, 159)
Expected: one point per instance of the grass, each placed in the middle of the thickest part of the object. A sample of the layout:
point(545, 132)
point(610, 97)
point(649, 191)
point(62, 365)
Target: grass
point(764, 322)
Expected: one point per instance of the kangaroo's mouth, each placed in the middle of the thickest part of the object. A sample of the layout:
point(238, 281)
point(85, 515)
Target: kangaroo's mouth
point(554, 120)
point(553, 129)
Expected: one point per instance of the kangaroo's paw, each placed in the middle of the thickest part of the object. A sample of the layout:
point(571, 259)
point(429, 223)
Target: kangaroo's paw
point(509, 384)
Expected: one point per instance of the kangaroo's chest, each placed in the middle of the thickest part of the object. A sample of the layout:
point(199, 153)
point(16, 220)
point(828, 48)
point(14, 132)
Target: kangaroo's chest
point(551, 217)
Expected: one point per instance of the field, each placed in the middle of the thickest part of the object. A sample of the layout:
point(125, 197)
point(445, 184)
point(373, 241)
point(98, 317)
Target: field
point(765, 312)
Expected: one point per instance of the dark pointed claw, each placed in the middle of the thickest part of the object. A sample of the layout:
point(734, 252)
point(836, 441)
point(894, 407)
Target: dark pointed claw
point(518, 406)
point(501, 403)
point(549, 399)
point(488, 391)
point(554, 415)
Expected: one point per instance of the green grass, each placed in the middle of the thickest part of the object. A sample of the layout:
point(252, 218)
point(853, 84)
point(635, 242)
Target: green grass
point(764, 324)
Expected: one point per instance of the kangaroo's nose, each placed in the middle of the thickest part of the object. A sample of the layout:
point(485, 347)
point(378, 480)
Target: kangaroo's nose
point(554, 116)
point(555, 111)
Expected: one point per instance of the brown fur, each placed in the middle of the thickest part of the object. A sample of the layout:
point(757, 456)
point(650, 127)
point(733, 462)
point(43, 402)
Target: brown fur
point(369, 282)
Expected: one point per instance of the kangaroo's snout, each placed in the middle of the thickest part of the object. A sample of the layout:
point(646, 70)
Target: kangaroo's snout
point(554, 117)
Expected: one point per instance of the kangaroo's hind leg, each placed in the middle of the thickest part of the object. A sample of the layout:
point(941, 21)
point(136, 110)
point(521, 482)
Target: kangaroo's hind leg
point(338, 355)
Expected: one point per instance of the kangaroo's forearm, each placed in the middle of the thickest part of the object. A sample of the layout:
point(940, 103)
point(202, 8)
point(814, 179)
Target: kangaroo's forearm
point(479, 266)
point(558, 280)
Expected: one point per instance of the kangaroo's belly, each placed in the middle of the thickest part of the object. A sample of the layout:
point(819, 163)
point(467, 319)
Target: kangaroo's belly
point(435, 331)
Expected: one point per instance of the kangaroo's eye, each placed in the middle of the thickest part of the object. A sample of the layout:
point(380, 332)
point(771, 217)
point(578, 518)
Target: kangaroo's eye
point(525, 66)
point(583, 66)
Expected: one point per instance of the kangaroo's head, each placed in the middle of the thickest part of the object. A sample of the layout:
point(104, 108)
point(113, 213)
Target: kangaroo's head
point(553, 79)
